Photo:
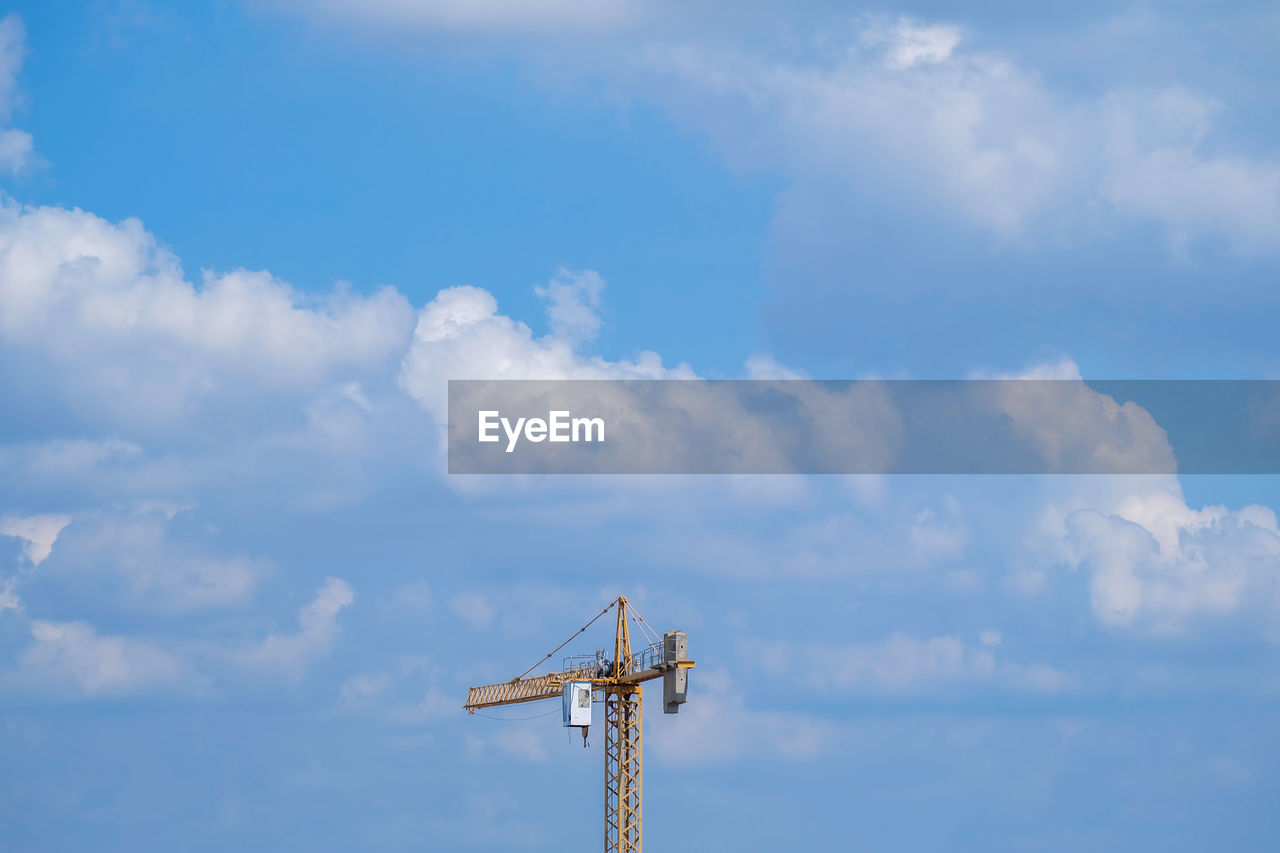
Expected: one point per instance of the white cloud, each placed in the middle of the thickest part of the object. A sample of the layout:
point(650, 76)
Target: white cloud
point(941, 535)
point(1074, 428)
point(573, 300)
point(1160, 171)
point(102, 322)
point(433, 704)
point(74, 654)
point(461, 335)
point(1156, 564)
point(290, 654)
point(13, 49)
point(905, 111)
point(133, 554)
point(907, 43)
point(911, 119)
point(38, 533)
point(365, 685)
point(406, 694)
point(546, 17)
point(902, 664)
point(165, 389)
point(16, 147)
point(717, 726)
point(105, 308)
point(767, 367)
point(8, 595)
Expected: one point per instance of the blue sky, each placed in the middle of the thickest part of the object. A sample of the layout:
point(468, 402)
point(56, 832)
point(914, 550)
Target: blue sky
point(243, 246)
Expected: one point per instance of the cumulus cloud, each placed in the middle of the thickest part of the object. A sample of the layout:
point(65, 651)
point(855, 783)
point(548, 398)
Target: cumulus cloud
point(461, 335)
point(73, 655)
point(897, 110)
point(107, 329)
point(290, 654)
point(161, 387)
point(105, 308)
point(1075, 428)
point(1158, 565)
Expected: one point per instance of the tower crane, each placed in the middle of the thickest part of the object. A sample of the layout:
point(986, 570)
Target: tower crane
point(620, 681)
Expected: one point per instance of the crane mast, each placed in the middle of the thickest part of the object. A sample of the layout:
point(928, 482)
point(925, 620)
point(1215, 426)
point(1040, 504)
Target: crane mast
point(623, 715)
point(621, 683)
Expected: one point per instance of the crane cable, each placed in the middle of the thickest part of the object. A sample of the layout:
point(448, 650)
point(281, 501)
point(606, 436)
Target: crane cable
point(565, 643)
point(643, 624)
point(517, 719)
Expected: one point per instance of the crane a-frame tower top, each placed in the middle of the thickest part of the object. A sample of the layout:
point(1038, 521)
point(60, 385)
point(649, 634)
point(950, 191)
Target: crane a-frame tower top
point(620, 681)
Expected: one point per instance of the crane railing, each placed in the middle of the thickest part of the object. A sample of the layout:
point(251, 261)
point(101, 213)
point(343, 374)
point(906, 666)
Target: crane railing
point(599, 666)
point(647, 658)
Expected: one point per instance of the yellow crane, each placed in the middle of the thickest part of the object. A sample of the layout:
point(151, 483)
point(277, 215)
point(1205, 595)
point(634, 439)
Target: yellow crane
point(620, 681)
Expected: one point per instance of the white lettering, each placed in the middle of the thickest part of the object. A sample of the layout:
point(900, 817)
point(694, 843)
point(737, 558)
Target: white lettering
point(488, 421)
point(513, 435)
point(559, 426)
point(587, 424)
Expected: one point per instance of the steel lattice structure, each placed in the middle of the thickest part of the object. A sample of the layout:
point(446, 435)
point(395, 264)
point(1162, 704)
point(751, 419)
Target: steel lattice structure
point(623, 785)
